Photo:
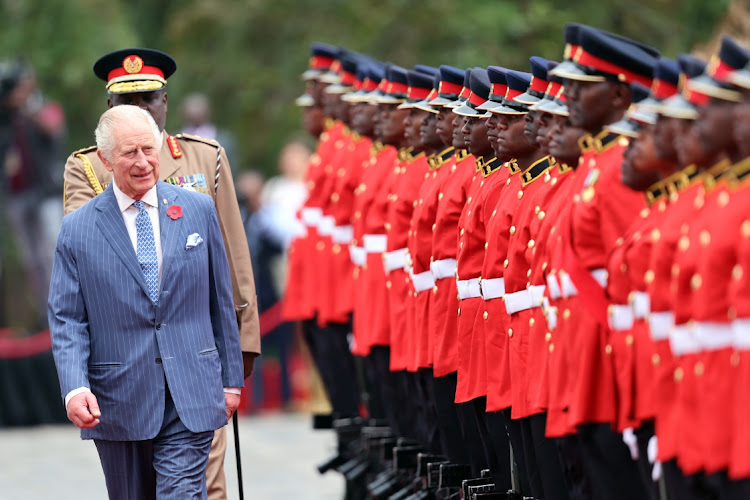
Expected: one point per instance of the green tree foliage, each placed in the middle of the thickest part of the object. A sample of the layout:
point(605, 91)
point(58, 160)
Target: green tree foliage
point(247, 54)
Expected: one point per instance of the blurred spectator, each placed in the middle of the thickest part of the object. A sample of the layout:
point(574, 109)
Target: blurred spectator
point(197, 120)
point(32, 132)
point(266, 244)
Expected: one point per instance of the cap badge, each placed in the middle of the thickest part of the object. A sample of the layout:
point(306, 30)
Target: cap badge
point(132, 64)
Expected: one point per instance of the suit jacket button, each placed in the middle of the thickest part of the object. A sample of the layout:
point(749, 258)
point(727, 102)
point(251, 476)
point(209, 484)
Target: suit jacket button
point(158, 326)
point(157, 361)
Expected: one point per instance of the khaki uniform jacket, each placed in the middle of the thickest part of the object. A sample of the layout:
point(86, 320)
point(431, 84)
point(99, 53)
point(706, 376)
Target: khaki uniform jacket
point(187, 161)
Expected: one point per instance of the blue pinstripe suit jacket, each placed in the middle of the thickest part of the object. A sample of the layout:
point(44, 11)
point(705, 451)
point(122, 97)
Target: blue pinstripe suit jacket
point(109, 336)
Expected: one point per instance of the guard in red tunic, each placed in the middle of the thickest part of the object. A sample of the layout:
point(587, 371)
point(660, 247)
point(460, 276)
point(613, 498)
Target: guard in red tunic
point(601, 69)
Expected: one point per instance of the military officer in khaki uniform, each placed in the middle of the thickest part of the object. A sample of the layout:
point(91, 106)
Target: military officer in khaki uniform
point(138, 76)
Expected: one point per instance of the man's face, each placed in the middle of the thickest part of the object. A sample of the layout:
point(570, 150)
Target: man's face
point(591, 104)
point(531, 126)
point(641, 166)
point(154, 102)
point(664, 137)
point(458, 122)
point(428, 136)
point(363, 118)
point(562, 138)
point(741, 129)
point(312, 120)
point(475, 137)
point(444, 126)
point(412, 125)
point(714, 126)
point(134, 161)
point(512, 139)
point(544, 120)
point(391, 124)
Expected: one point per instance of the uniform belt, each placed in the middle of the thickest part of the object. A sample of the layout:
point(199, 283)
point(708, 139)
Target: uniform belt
point(570, 290)
point(468, 289)
point(741, 334)
point(397, 259)
point(660, 323)
point(682, 340)
point(342, 235)
point(524, 299)
point(620, 317)
point(443, 268)
point(326, 225)
point(641, 303)
point(712, 336)
point(375, 243)
point(423, 281)
point(311, 216)
point(554, 287)
point(358, 255)
point(492, 288)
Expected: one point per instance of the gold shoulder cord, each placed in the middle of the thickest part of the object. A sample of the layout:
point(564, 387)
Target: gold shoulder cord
point(88, 168)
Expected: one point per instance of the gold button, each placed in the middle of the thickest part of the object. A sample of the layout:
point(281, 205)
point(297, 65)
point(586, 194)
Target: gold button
point(486, 245)
point(551, 348)
point(675, 270)
point(486, 315)
point(608, 349)
point(699, 201)
point(541, 215)
point(494, 212)
point(357, 214)
point(387, 226)
point(427, 176)
point(520, 195)
point(335, 197)
point(528, 273)
point(678, 374)
point(407, 280)
point(629, 340)
point(414, 205)
point(655, 235)
point(737, 272)
point(453, 168)
point(507, 183)
point(530, 244)
point(624, 267)
point(705, 238)
point(459, 311)
point(723, 199)
point(505, 263)
point(510, 332)
point(649, 277)
point(434, 289)
point(735, 359)
point(699, 369)
point(421, 202)
point(696, 281)
point(544, 266)
point(434, 226)
point(462, 232)
point(566, 313)
point(746, 229)
point(336, 249)
point(461, 245)
point(469, 200)
point(388, 284)
point(548, 336)
point(440, 196)
point(320, 246)
point(468, 213)
point(655, 360)
point(531, 321)
point(512, 229)
point(537, 209)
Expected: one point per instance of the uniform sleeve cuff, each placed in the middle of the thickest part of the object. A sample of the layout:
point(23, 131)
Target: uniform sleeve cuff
point(232, 390)
point(74, 392)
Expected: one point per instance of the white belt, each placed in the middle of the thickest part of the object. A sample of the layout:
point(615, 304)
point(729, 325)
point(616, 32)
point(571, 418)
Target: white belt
point(641, 305)
point(660, 323)
point(468, 289)
point(554, 287)
point(342, 235)
point(311, 216)
point(682, 340)
point(326, 225)
point(358, 255)
point(492, 288)
point(375, 243)
point(713, 336)
point(525, 299)
point(741, 334)
point(443, 268)
point(620, 317)
point(570, 290)
point(423, 281)
point(396, 259)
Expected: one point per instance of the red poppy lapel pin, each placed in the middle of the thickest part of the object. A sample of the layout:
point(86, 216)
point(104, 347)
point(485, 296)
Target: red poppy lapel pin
point(174, 212)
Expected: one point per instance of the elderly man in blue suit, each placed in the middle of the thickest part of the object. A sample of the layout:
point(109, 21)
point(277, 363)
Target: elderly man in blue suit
point(144, 332)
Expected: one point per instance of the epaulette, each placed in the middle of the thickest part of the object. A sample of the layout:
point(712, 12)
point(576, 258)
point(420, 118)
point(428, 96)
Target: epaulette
point(513, 166)
point(741, 171)
point(404, 154)
point(438, 159)
point(462, 154)
point(716, 173)
point(413, 155)
point(84, 150)
point(491, 167)
point(197, 138)
point(376, 148)
point(605, 139)
point(537, 169)
point(656, 192)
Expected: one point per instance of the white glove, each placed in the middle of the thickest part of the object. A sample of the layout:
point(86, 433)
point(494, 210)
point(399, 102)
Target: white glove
point(653, 451)
point(628, 437)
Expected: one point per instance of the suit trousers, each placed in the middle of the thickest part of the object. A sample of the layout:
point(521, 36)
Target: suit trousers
point(172, 466)
point(216, 481)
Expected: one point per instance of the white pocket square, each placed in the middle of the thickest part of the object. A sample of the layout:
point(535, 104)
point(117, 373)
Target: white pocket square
point(193, 241)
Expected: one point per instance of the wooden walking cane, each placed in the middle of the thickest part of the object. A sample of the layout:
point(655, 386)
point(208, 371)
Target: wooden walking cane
point(236, 426)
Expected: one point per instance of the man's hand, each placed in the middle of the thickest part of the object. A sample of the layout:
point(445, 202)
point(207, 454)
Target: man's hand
point(232, 402)
point(83, 410)
point(248, 359)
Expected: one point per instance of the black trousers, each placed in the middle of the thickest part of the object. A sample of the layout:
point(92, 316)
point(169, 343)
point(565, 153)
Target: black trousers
point(329, 347)
point(543, 468)
point(478, 447)
point(607, 463)
point(499, 444)
point(381, 386)
point(452, 439)
point(571, 459)
point(429, 427)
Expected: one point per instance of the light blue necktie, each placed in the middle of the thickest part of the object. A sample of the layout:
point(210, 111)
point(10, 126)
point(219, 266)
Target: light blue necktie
point(147, 251)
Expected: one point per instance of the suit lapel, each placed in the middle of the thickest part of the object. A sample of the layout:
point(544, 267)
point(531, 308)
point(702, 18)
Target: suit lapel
point(171, 244)
point(113, 227)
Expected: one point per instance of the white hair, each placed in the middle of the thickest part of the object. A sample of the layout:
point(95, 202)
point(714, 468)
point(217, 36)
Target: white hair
point(116, 117)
